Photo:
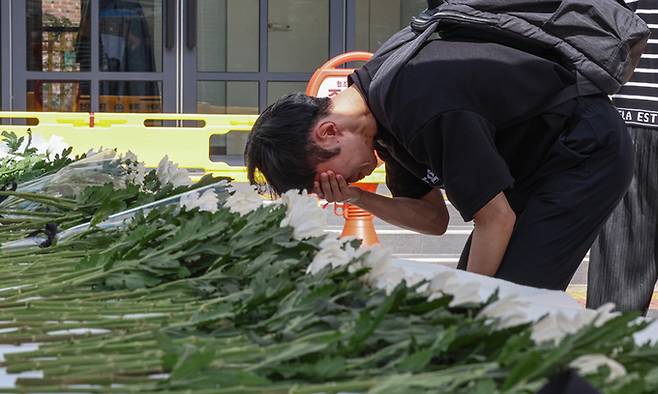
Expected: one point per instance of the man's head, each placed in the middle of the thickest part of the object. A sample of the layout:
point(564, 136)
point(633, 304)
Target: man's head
point(299, 136)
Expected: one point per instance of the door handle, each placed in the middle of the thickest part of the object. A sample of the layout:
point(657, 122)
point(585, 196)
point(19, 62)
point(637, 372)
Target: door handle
point(191, 25)
point(170, 23)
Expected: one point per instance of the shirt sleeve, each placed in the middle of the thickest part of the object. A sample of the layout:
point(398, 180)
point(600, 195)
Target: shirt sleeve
point(400, 181)
point(459, 147)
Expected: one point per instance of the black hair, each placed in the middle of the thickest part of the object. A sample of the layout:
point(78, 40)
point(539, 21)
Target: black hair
point(280, 148)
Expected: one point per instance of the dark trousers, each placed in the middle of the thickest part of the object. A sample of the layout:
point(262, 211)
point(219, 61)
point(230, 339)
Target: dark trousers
point(624, 259)
point(584, 176)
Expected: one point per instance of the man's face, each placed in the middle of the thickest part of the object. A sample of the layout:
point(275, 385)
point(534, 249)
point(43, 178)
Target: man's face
point(355, 161)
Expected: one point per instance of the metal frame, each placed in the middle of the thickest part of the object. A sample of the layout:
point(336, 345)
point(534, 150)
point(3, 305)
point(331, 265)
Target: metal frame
point(19, 74)
point(6, 35)
point(337, 45)
point(178, 84)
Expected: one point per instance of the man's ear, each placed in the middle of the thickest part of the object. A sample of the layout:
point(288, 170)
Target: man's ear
point(326, 133)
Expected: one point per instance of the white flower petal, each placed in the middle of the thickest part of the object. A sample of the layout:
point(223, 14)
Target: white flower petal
point(136, 173)
point(205, 202)
point(208, 201)
point(130, 156)
point(506, 312)
point(604, 314)
point(383, 274)
point(303, 214)
point(55, 145)
point(386, 276)
point(590, 364)
point(134, 169)
point(244, 201)
point(4, 150)
point(168, 172)
point(557, 325)
point(36, 141)
point(447, 283)
point(468, 293)
point(331, 254)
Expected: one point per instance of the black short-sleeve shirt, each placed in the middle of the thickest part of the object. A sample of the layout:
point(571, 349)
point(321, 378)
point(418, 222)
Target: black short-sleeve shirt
point(468, 117)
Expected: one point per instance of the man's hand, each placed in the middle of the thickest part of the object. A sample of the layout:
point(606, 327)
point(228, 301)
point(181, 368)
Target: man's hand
point(334, 188)
point(427, 215)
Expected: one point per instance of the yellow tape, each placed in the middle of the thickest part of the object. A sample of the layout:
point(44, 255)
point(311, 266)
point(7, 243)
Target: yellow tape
point(187, 146)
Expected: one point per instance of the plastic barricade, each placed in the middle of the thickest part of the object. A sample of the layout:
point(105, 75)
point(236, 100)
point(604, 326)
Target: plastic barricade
point(149, 135)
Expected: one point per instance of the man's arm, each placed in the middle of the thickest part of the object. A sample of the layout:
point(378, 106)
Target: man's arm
point(494, 224)
point(427, 215)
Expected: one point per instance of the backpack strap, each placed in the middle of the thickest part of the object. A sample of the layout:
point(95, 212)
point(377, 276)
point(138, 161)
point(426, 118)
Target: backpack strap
point(405, 47)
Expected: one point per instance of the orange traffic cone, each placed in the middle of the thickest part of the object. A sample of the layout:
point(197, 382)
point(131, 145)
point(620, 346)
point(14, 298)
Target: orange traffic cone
point(358, 222)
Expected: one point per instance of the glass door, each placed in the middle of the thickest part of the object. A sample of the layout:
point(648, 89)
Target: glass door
point(94, 55)
point(240, 55)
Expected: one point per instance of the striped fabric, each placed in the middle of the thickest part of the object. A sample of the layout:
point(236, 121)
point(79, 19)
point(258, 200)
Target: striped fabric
point(623, 266)
point(638, 99)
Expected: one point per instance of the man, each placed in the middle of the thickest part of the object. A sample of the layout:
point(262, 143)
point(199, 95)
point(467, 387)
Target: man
point(469, 117)
point(623, 265)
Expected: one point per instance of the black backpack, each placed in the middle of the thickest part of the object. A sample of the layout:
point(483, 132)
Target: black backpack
point(600, 41)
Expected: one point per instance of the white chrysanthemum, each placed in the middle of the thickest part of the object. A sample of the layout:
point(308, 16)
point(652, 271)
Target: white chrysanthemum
point(603, 314)
point(383, 274)
point(377, 255)
point(168, 172)
point(92, 152)
point(447, 283)
point(135, 170)
point(331, 254)
point(590, 364)
point(506, 312)
point(414, 279)
point(206, 202)
point(136, 174)
point(129, 156)
point(354, 253)
point(4, 150)
point(303, 214)
point(36, 141)
point(556, 326)
point(244, 201)
point(55, 145)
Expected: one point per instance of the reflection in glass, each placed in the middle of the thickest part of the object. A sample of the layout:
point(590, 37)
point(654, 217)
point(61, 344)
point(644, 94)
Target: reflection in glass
point(56, 37)
point(227, 97)
point(278, 89)
point(298, 35)
point(58, 96)
point(130, 35)
point(377, 20)
point(126, 96)
point(227, 35)
point(228, 148)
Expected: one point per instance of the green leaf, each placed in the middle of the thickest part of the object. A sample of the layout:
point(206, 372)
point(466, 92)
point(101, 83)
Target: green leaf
point(192, 362)
point(131, 280)
point(417, 361)
point(367, 322)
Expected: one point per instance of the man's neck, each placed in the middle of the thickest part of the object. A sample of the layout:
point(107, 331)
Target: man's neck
point(351, 103)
